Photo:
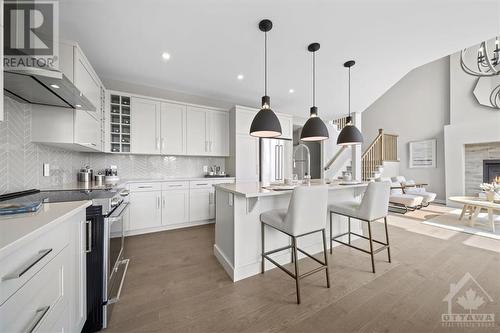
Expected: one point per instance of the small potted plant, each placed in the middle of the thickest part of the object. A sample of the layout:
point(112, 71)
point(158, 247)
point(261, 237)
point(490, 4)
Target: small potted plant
point(490, 190)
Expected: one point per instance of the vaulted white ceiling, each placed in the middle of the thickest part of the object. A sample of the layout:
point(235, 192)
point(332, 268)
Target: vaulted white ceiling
point(212, 41)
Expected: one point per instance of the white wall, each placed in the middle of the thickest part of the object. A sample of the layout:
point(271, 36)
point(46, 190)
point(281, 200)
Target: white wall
point(471, 123)
point(415, 108)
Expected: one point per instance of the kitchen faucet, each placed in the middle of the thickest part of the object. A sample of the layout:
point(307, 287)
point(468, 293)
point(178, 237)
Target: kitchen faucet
point(301, 145)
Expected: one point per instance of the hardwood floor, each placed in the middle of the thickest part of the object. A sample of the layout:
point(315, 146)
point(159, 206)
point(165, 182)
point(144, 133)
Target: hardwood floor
point(175, 284)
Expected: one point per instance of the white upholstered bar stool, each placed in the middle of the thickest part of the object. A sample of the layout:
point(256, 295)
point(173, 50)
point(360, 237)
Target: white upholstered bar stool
point(306, 214)
point(373, 206)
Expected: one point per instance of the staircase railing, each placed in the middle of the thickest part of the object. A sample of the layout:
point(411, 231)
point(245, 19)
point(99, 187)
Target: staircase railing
point(340, 122)
point(383, 148)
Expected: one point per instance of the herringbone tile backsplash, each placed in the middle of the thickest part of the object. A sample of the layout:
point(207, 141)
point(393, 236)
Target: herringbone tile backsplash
point(21, 160)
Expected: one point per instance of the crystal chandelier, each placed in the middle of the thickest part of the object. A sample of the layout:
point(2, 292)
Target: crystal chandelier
point(483, 61)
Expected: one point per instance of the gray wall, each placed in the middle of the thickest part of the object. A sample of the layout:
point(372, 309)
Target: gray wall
point(21, 161)
point(415, 108)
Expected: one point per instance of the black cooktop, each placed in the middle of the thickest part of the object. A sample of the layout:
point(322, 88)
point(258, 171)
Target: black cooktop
point(55, 196)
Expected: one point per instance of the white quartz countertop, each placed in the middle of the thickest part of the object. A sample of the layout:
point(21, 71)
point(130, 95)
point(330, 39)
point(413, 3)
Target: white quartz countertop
point(125, 181)
point(22, 227)
point(255, 189)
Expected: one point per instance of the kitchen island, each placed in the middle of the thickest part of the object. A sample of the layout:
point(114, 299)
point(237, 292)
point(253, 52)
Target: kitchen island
point(237, 225)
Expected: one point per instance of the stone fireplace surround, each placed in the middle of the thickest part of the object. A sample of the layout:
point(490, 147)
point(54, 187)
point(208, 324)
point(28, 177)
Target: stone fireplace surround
point(478, 158)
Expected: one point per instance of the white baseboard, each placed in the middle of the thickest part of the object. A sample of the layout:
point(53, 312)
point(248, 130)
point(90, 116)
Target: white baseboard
point(167, 227)
point(226, 264)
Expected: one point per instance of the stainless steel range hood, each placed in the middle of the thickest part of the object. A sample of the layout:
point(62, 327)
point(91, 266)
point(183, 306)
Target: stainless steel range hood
point(44, 87)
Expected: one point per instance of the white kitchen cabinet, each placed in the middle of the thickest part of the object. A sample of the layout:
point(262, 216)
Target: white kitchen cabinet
point(199, 204)
point(50, 294)
point(219, 133)
point(145, 126)
point(207, 132)
point(173, 129)
point(246, 158)
point(145, 209)
point(197, 131)
point(286, 126)
point(79, 130)
point(66, 128)
point(76, 67)
point(175, 206)
point(87, 131)
point(85, 79)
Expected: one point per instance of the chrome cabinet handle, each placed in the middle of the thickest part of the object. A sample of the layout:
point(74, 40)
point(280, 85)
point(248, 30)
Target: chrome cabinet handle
point(163, 202)
point(157, 144)
point(206, 146)
point(88, 247)
point(210, 145)
point(162, 143)
point(177, 185)
point(144, 186)
point(26, 267)
point(202, 184)
point(158, 202)
point(40, 313)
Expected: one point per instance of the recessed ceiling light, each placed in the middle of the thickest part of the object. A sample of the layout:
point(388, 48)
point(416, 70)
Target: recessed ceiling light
point(240, 77)
point(78, 106)
point(55, 86)
point(291, 91)
point(165, 56)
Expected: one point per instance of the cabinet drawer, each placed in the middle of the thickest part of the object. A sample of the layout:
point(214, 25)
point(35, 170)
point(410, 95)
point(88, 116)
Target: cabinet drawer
point(200, 184)
point(169, 186)
point(141, 187)
point(17, 268)
point(223, 181)
point(41, 301)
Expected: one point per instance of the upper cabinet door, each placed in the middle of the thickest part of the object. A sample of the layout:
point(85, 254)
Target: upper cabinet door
point(286, 126)
point(197, 131)
point(173, 129)
point(219, 133)
point(85, 79)
point(87, 130)
point(145, 126)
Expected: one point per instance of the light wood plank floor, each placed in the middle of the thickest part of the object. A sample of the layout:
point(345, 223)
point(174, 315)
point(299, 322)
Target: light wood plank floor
point(175, 284)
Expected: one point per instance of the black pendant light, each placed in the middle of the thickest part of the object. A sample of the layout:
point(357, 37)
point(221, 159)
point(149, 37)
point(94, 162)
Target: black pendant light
point(350, 134)
point(314, 129)
point(266, 123)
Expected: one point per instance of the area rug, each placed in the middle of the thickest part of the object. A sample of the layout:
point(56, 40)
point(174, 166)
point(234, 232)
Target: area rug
point(450, 221)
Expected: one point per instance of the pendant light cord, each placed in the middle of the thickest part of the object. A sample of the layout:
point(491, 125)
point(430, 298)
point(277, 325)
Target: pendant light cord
point(314, 78)
point(349, 93)
point(265, 63)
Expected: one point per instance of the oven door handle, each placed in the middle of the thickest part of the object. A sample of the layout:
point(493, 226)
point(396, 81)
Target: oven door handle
point(118, 213)
point(118, 294)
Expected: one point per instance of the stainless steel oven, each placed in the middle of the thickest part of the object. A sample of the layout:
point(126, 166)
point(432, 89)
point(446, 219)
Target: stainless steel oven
point(115, 266)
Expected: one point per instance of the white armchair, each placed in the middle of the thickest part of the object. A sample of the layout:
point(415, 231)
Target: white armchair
point(399, 201)
point(411, 188)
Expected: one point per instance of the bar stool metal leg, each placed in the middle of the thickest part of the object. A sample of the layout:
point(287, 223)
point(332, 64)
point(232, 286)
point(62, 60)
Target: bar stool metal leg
point(387, 240)
point(371, 245)
point(349, 228)
point(326, 259)
point(296, 261)
point(263, 250)
point(331, 234)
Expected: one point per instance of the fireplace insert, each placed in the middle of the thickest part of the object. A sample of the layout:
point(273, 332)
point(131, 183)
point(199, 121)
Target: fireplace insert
point(491, 171)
